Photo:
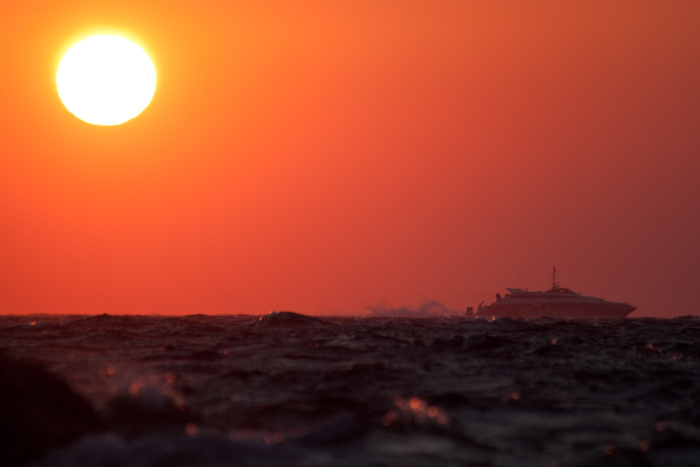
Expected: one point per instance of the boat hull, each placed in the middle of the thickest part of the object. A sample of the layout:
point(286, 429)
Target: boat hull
point(604, 310)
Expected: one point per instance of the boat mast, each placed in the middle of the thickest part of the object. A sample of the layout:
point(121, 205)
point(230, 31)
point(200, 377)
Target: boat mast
point(555, 284)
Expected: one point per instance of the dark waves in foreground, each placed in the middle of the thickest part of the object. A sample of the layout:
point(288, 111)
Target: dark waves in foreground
point(288, 389)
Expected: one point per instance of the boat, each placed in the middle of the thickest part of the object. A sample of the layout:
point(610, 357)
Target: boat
point(558, 302)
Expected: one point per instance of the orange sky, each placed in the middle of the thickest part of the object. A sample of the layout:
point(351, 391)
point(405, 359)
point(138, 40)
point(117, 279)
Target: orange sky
point(326, 156)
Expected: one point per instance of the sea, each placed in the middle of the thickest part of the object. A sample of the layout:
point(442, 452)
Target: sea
point(285, 389)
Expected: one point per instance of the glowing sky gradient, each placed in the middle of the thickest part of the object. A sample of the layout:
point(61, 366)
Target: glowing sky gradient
point(326, 156)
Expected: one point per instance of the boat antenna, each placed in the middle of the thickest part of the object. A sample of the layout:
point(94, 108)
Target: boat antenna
point(555, 284)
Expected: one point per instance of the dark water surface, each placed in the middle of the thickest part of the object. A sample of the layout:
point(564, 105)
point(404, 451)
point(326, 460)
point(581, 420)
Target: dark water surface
point(288, 389)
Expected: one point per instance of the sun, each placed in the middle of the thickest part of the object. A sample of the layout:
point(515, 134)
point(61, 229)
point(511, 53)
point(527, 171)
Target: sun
point(106, 80)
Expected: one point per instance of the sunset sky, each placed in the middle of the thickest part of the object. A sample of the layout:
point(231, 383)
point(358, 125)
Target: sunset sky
point(327, 156)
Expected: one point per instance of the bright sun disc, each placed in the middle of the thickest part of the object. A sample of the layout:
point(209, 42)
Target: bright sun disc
point(106, 80)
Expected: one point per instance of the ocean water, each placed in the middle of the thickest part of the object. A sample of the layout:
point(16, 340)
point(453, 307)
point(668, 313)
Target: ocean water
point(288, 389)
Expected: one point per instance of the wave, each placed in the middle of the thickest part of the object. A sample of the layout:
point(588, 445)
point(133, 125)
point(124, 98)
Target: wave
point(428, 309)
point(289, 318)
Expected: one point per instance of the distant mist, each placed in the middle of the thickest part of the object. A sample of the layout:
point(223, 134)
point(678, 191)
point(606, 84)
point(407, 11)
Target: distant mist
point(427, 309)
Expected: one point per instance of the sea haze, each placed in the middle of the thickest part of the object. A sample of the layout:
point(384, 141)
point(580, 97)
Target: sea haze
point(288, 389)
